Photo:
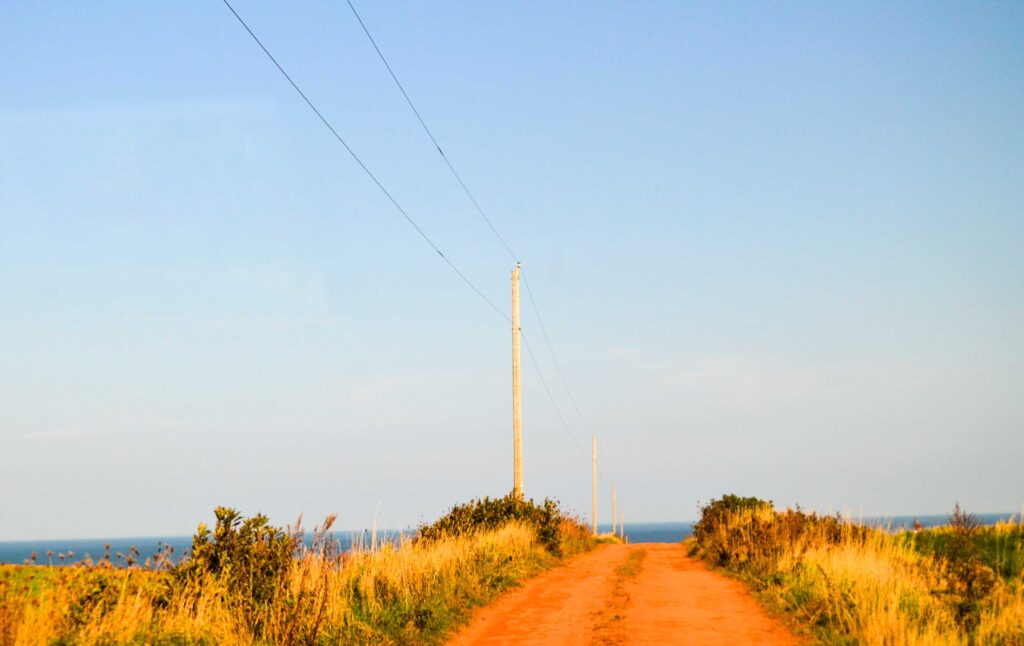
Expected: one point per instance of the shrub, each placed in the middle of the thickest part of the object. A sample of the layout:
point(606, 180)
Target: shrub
point(559, 533)
point(748, 534)
point(718, 537)
point(250, 557)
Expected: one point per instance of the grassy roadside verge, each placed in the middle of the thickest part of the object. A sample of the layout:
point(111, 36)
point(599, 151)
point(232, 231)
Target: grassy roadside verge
point(248, 582)
point(843, 583)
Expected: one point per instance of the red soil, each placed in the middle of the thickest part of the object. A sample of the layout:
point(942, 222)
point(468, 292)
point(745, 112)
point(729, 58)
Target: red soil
point(673, 600)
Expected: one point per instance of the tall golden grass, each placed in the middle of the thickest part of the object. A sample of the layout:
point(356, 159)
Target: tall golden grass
point(845, 583)
point(407, 592)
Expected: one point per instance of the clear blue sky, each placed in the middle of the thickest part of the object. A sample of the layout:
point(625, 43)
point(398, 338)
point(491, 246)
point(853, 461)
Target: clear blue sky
point(779, 250)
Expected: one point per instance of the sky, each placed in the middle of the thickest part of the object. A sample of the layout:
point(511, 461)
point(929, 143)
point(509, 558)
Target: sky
point(778, 249)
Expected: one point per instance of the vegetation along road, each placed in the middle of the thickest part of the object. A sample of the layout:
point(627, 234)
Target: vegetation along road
point(626, 594)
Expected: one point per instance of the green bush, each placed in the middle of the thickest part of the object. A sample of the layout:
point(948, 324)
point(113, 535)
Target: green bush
point(714, 517)
point(557, 532)
point(974, 556)
point(249, 555)
point(747, 534)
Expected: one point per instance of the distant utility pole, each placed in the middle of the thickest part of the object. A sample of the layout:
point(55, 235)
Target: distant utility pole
point(517, 407)
point(622, 527)
point(614, 503)
point(593, 481)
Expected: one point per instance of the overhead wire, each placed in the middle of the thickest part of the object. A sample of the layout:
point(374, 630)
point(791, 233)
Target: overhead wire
point(547, 389)
point(419, 230)
point(558, 370)
point(366, 169)
point(430, 134)
point(497, 234)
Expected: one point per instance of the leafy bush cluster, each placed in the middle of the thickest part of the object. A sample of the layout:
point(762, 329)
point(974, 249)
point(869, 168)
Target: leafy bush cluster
point(747, 534)
point(249, 556)
point(559, 533)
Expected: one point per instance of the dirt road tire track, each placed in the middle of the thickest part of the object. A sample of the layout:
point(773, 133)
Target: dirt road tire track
point(673, 600)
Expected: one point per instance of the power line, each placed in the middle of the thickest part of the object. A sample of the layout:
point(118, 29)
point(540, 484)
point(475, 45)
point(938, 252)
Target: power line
point(416, 226)
point(558, 366)
point(558, 410)
point(497, 234)
point(366, 170)
point(430, 134)
point(547, 341)
point(547, 389)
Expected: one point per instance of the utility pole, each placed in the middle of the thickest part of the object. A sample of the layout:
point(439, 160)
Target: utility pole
point(517, 412)
point(614, 518)
point(622, 527)
point(593, 481)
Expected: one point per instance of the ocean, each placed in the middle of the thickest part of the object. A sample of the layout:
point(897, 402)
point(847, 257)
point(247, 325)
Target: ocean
point(74, 550)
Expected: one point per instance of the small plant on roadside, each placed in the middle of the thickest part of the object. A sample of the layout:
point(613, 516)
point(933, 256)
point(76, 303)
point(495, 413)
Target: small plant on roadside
point(970, 580)
point(248, 555)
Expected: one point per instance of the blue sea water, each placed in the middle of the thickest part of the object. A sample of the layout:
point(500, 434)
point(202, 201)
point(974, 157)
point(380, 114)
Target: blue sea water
point(675, 532)
point(670, 532)
point(899, 523)
point(653, 532)
point(76, 550)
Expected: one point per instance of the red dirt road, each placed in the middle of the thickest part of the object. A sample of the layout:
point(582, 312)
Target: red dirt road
point(594, 599)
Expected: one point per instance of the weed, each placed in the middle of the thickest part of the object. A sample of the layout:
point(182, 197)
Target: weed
point(608, 627)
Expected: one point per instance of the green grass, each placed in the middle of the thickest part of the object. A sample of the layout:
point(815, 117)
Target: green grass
point(633, 565)
point(1000, 547)
point(29, 579)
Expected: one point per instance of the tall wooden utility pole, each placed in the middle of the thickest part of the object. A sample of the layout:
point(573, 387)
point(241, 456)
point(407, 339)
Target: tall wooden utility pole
point(517, 412)
point(593, 481)
point(614, 517)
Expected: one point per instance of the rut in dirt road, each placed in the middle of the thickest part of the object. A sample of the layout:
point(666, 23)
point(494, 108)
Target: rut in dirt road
point(626, 594)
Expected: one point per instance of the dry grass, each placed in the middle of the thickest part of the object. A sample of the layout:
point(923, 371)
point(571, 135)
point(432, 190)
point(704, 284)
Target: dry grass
point(868, 588)
point(844, 583)
point(406, 593)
